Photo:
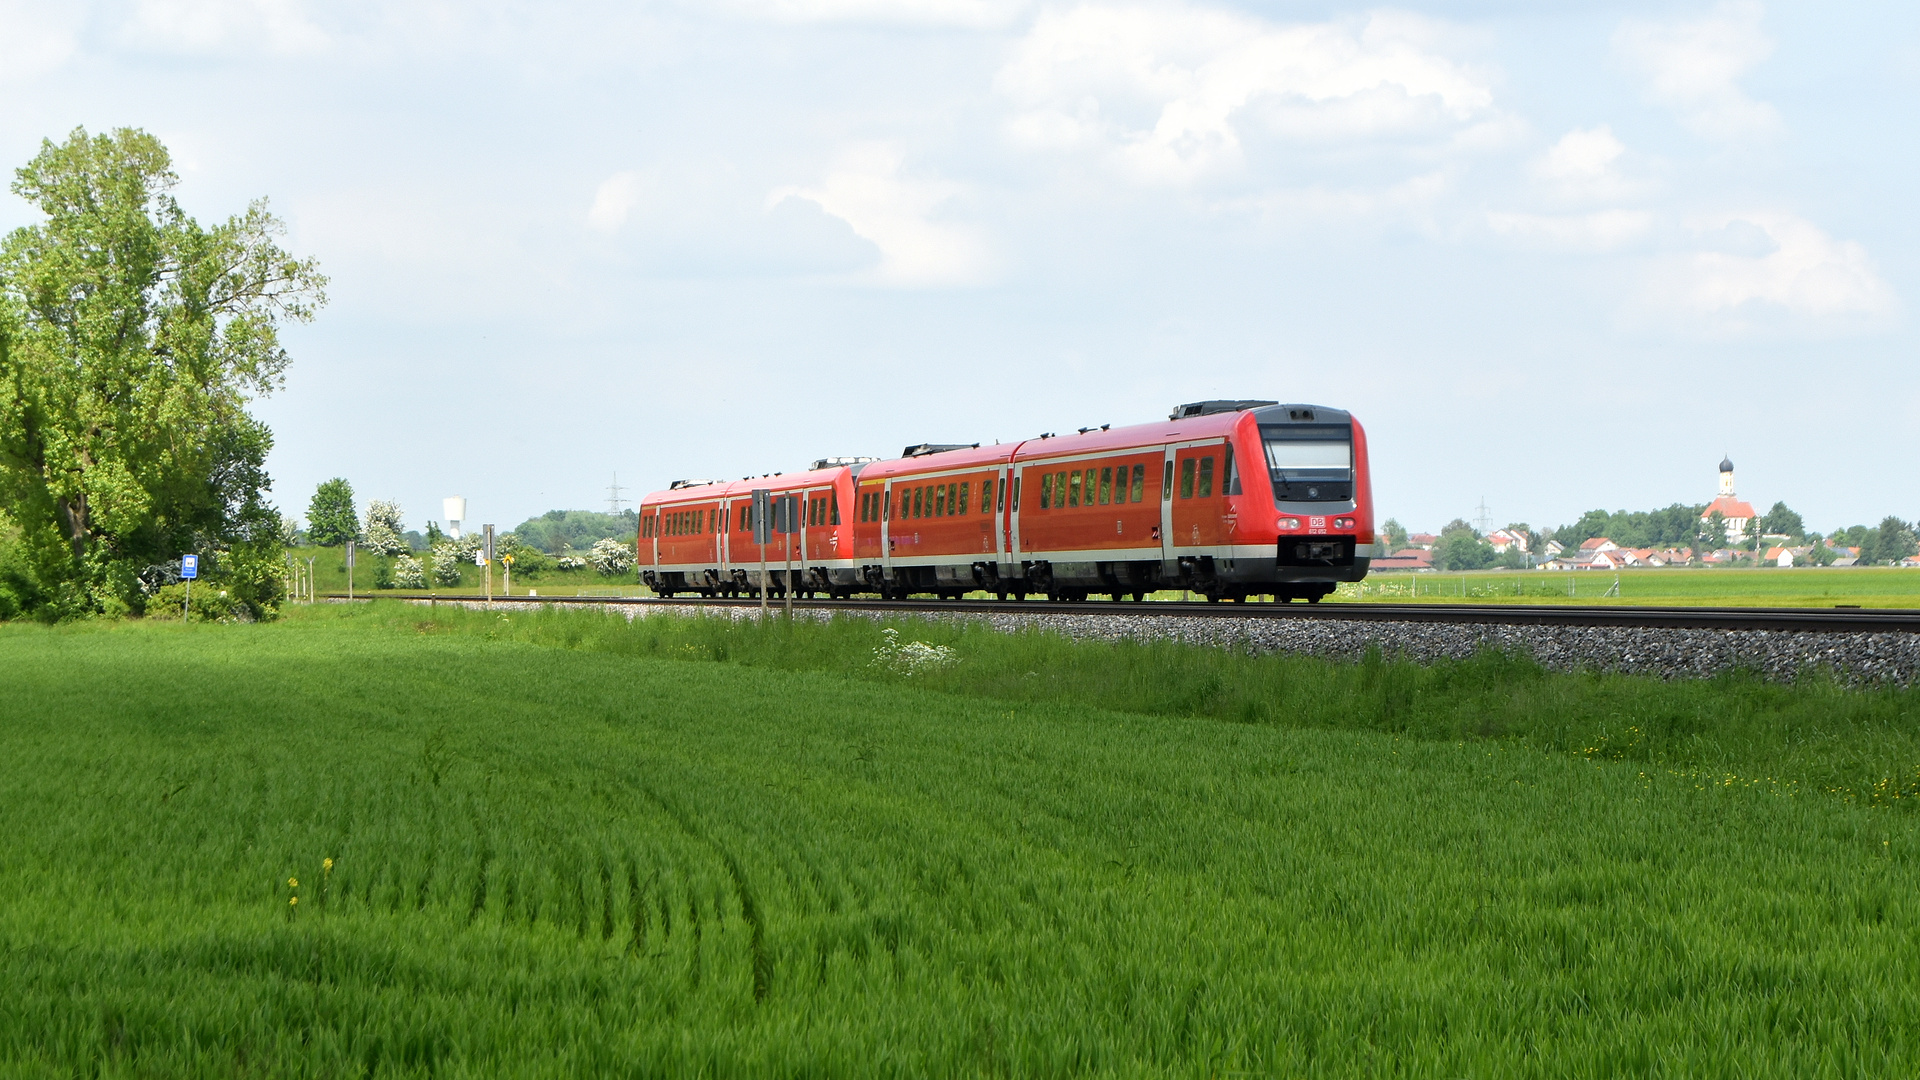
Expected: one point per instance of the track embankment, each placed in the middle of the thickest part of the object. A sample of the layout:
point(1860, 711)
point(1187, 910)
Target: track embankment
point(1875, 646)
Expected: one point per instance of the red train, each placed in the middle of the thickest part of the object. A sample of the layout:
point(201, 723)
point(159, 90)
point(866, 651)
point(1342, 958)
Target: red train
point(1228, 499)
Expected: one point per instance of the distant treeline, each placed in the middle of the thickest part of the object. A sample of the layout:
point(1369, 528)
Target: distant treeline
point(557, 531)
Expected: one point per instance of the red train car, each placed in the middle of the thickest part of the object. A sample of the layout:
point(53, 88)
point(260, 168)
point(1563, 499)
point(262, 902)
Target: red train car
point(1228, 499)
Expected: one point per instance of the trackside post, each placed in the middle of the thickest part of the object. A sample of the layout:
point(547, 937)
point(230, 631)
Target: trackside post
point(189, 569)
point(486, 556)
point(786, 520)
point(762, 536)
point(349, 570)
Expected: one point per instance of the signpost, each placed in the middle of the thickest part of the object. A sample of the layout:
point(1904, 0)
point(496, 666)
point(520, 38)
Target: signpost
point(349, 570)
point(786, 521)
point(506, 564)
point(189, 569)
point(487, 555)
point(763, 535)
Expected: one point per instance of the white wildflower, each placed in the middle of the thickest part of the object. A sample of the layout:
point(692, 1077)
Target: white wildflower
point(913, 657)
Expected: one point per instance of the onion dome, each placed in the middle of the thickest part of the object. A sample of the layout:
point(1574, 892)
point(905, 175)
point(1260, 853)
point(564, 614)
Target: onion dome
point(1726, 464)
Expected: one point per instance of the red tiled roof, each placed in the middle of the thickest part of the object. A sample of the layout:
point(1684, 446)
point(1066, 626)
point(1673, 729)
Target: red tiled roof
point(1729, 508)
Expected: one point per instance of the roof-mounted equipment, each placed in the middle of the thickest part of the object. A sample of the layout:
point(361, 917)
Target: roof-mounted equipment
point(842, 462)
point(1208, 408)
point(678, 484)
point(925, 448)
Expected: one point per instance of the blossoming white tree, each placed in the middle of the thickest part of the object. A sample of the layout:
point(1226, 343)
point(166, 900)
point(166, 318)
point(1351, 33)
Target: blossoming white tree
point(385, 527)
point(610, 557)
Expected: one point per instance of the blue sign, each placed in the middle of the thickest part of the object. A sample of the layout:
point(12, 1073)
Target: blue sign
point(189, 566)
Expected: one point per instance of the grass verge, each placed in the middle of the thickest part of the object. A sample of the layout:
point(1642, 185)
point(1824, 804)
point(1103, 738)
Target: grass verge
point(564, 845)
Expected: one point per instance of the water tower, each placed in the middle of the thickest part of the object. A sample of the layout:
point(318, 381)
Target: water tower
point(454, 508)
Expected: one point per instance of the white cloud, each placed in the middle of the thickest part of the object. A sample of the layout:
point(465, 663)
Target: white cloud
point(1603, 230)
point(613, 201)
point(35, 37)
point(216, 26)
point(1694, 66)
point(1585, 164)
point(1171, 92)
point(980, 14)
point(1772, 260)
point(867, 189)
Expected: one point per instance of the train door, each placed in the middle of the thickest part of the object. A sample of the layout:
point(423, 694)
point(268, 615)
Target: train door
point(886, 530)
point(1013, 517)
point(1165, 531)
point(1000, 521)
point(723, 541)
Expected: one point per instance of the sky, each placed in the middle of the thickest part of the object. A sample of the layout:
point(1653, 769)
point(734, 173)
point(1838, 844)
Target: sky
point(1555, 256)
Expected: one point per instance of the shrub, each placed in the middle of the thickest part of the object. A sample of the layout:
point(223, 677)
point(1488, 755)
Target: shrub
point(210, 604)
point(447, 558)
point(409, 573)
point(611, 557)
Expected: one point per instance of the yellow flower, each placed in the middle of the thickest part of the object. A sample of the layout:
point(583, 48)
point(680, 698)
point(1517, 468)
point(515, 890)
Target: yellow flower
point(327, 865)
point(292, 900)
point(293, 883)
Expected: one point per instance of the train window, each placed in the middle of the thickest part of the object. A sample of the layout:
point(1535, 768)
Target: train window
point(1059, 490)
point(939, 500)
point(833, 508)
point(1226, 473)
point(1206, 477)
point(1139, 483)
point(1073, 488)
point(986, 496)
point(1106, 486)
point(1016, 494)
point(919, 500)
point(1046, 492)
point(953, 497)
point(1186, 479)
point(963, 498)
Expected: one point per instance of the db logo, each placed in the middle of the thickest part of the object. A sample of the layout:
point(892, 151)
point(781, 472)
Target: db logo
point(1316, 523)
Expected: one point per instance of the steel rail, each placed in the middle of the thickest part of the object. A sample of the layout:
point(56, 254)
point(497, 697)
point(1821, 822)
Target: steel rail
point(1824, 620)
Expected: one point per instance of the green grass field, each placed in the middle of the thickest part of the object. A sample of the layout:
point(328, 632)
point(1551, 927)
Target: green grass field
point(563, 845)
point(1883, 587)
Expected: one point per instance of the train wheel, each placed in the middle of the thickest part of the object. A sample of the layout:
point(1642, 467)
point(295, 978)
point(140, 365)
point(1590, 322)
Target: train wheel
point(1139, 597)
point(1019, 594)
point(1313, 599)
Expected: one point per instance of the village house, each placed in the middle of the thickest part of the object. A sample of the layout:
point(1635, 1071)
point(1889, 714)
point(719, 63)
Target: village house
point(1505, 540)
point(1405, 559)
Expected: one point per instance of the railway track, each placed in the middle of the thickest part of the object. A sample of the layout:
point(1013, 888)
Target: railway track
point(1827, 620)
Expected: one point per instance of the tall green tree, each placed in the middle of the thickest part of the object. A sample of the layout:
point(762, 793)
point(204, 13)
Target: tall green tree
point(330, 517)
point(131, 341)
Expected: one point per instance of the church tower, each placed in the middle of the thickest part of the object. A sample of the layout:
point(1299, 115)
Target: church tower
point(1738, 515)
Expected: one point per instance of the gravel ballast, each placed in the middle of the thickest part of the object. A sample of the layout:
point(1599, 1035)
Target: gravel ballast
point(1872, 657)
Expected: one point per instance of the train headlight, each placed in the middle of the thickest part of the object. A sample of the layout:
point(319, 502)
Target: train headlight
point(1343, 523)
point(1289, 523)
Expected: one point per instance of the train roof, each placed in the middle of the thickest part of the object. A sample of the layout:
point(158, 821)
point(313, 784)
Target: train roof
point(1197, 420)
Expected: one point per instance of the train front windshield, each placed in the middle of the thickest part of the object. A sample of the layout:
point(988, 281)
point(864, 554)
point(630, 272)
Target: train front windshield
point(1309, 463)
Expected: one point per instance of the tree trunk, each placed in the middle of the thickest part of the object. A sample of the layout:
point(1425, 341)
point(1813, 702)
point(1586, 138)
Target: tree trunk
point(74, 512)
